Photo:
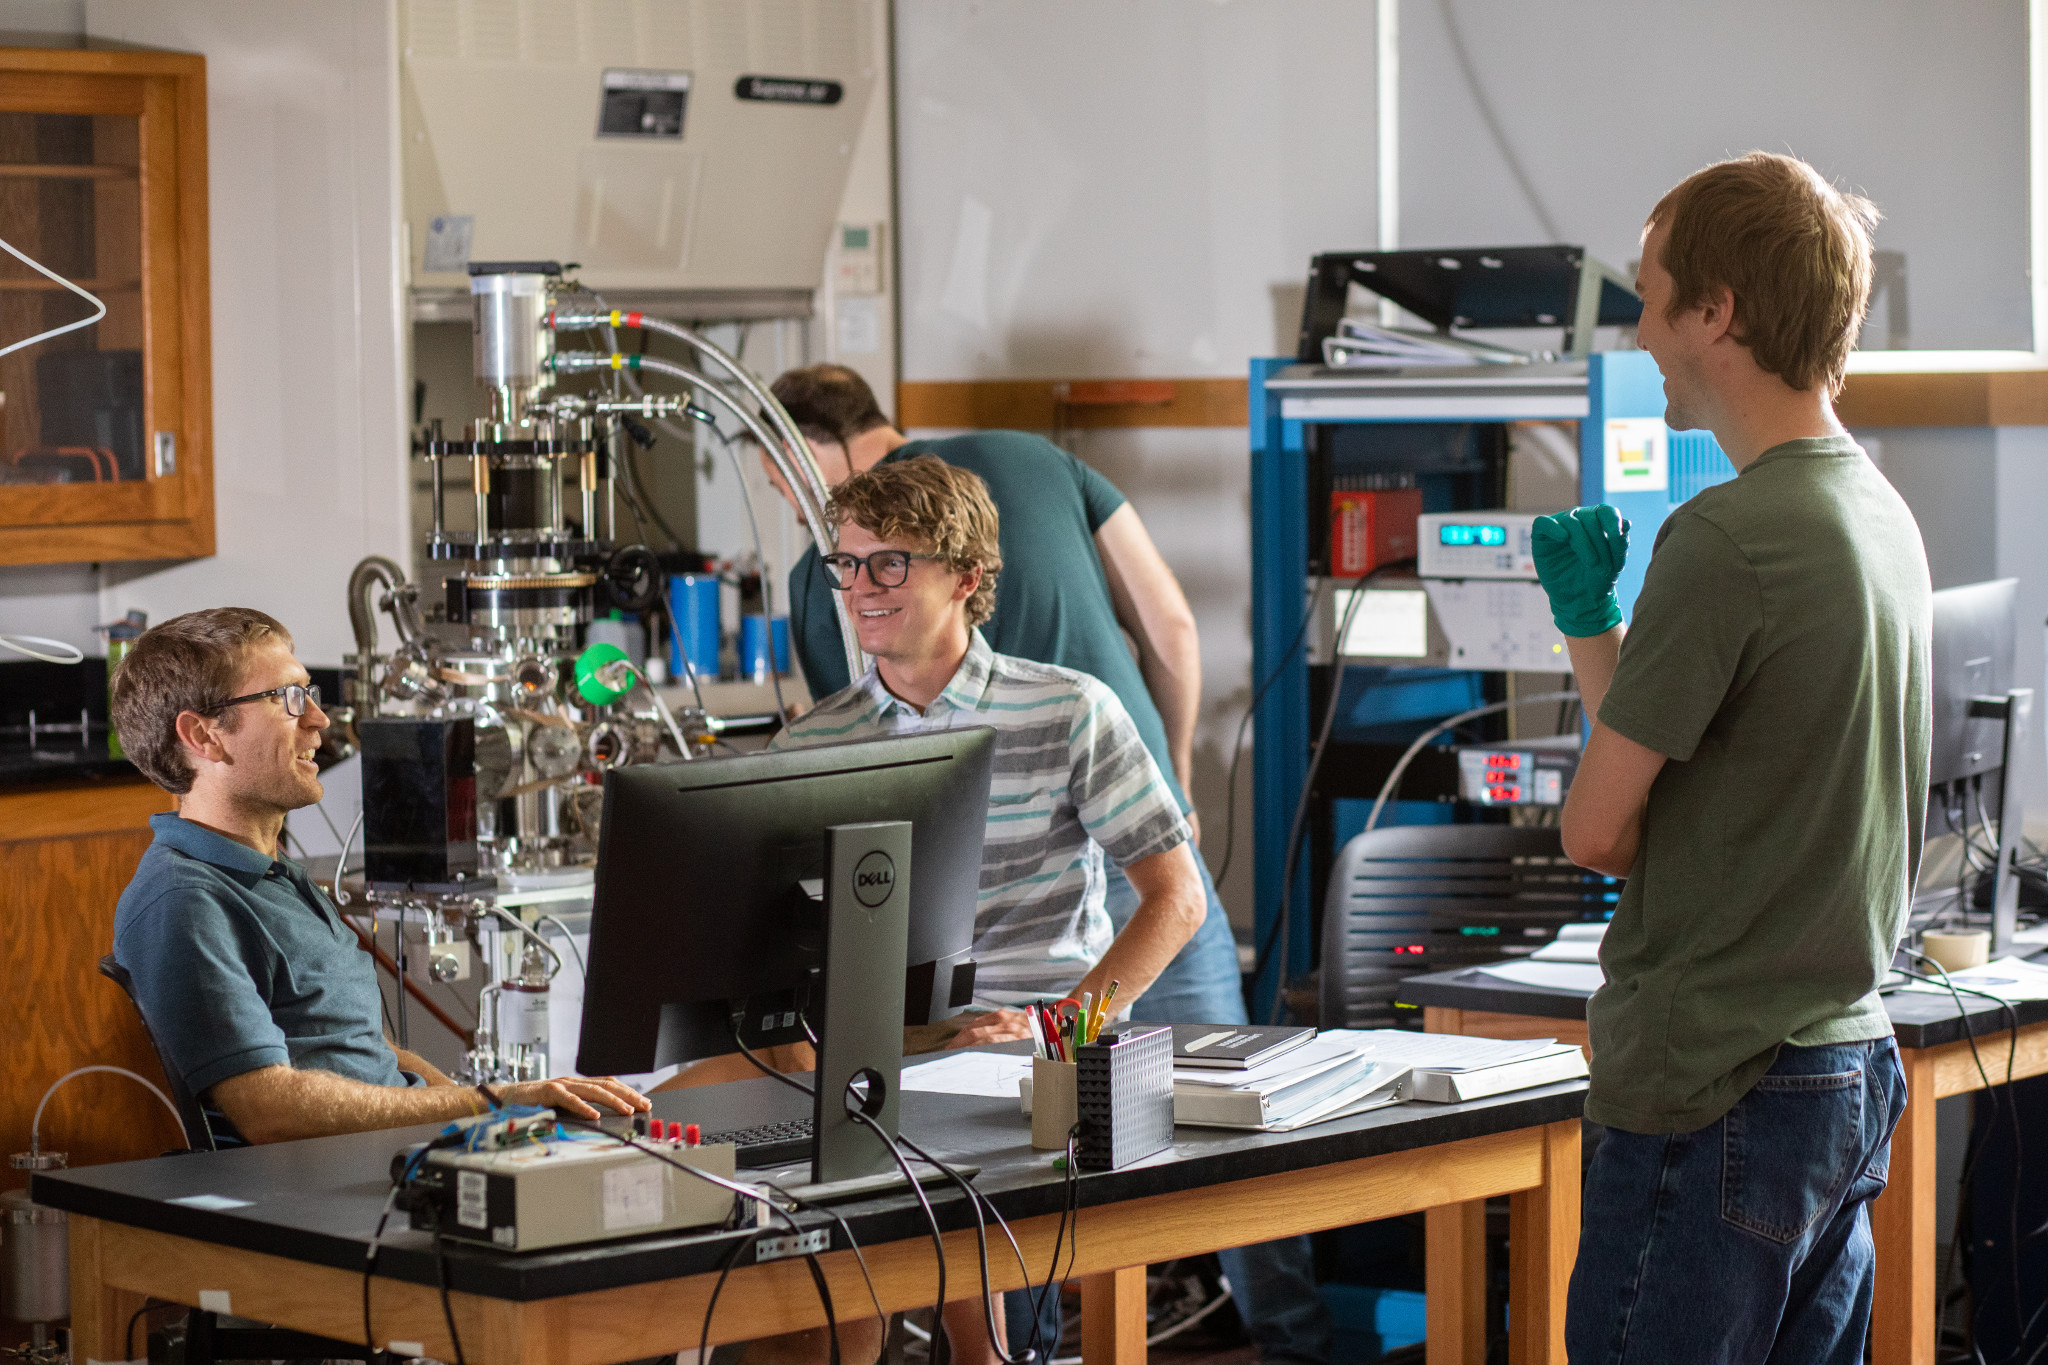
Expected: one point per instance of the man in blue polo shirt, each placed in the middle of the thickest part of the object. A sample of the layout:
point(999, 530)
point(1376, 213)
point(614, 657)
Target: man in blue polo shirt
point(263, 999)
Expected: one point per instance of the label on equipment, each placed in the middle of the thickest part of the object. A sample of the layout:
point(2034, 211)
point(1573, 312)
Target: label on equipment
point(1638, 455)
point(470, 1210)
point(788, 90)
point(643, 104)
point(633, 1196)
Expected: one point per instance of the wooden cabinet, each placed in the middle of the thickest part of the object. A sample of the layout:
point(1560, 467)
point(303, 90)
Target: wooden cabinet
point(66, 854)
point(106, 431)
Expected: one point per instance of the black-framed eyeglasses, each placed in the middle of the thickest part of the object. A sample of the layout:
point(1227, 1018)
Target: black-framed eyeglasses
point(295, 699)
point(886, 568)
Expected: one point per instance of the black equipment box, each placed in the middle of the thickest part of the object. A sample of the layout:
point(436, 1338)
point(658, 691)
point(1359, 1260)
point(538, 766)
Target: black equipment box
point(419, 803)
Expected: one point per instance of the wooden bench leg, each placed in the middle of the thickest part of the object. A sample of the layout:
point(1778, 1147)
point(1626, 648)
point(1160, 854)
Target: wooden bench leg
point(99, 1312)
point(1543, 1241)
point(1902, 1231)
point(1113, 1317)
point(1454, 1271)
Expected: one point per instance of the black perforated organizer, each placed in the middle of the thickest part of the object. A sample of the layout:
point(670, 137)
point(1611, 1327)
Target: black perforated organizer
point(1124, 1097)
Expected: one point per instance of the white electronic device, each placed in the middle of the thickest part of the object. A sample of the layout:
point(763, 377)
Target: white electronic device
point(1391, 624)
point(1498, 624)
point(1474, 545)
point(544, 1193)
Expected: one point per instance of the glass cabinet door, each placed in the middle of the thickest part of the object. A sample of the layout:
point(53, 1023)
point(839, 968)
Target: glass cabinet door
point(102, 444)
point(71, 198)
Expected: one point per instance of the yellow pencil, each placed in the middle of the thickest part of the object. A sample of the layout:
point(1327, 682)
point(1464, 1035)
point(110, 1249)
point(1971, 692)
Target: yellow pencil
point(1102, 1005)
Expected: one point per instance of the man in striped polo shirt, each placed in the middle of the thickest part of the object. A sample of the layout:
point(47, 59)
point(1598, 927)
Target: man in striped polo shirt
point(1073, 782)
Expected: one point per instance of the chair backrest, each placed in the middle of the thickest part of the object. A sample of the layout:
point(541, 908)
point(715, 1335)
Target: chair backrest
point(198, 1131)
point(1421, 898)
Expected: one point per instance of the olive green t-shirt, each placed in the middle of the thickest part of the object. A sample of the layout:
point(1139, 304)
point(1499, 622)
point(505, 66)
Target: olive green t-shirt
point(1778, 657)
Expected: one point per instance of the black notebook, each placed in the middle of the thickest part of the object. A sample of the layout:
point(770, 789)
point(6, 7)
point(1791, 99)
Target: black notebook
point(1233, 1048)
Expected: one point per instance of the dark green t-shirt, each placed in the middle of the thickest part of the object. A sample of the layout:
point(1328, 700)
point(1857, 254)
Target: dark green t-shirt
point(1778, 657)
point(1052, 600)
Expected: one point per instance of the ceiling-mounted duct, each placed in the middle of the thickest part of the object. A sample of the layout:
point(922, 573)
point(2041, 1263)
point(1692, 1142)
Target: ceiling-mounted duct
point(681, 147)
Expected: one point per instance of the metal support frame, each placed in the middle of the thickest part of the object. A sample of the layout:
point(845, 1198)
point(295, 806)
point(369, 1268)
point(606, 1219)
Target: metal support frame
point(2014, 709)
point(1620, 384)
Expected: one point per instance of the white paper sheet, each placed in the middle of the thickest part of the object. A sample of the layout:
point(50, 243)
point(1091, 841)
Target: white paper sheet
point(1585, 977)
point(1584, 933)
point(992, 1074)
point(1440, 1051)
point(2009, 978)
point(1568, 950)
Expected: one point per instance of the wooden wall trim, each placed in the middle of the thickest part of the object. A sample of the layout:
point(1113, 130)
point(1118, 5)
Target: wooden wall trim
point(1996, 398)
point(1069, 404)
point(95, 808)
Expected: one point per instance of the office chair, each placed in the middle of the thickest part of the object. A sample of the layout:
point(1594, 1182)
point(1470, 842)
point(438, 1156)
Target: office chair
point(205, 1131)
point(1408, 899)
point(206, 1341)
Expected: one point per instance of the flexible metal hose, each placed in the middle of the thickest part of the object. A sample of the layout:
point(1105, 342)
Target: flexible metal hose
point(794, 461)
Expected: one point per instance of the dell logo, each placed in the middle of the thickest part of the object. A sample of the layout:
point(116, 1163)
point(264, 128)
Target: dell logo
point(874, 877)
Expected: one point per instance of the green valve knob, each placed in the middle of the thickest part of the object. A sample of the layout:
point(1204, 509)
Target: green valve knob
point(604, 674)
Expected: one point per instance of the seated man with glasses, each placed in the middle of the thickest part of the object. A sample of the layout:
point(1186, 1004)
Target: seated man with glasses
point(265, 1002)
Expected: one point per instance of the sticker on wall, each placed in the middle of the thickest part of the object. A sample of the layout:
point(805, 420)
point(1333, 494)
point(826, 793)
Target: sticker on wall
point(1638, 455)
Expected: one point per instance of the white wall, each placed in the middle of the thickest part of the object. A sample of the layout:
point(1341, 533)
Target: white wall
point(308, 409)
point(2020, 497)
point(1605, 104)
point(1135, 189)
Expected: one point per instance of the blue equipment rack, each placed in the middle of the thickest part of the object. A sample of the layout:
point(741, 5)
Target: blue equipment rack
point(1288, 402)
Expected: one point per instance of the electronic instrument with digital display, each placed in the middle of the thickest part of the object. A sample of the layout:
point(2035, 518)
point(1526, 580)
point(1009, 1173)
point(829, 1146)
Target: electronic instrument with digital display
point(1520, 773)
point(1485, 544)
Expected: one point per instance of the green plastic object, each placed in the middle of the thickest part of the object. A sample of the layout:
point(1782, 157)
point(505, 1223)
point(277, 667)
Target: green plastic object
point(594, 689)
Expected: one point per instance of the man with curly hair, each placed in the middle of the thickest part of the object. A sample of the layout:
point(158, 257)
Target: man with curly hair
point(1074, 784)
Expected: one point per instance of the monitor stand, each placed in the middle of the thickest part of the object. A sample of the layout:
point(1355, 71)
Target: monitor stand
point(867, 938)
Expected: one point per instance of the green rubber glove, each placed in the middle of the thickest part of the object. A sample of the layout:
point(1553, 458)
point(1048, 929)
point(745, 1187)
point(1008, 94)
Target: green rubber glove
point(1578, 556)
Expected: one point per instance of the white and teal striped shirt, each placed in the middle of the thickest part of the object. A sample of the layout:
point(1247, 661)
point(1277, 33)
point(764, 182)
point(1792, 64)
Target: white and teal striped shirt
point(1071, 782)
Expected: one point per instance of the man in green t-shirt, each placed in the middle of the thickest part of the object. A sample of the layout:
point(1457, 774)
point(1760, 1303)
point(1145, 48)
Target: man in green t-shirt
point(1757, 770)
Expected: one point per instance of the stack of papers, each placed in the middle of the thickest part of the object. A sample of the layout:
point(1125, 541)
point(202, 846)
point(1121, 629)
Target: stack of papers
point(1574, 943)
point(1326, 1078)
point(1359, 344)
point(2009, 978)
point(1582, 977)
point(1448, 1067)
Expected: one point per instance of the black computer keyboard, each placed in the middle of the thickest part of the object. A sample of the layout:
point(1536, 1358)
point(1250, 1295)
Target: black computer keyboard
point(768, 1144)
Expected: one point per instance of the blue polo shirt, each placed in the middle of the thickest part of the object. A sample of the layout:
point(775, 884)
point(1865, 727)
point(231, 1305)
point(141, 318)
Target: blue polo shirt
point(240, 963)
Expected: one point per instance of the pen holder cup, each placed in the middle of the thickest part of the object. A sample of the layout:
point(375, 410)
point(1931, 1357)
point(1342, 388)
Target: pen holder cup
point(1054, 1104)
point(1958, 951)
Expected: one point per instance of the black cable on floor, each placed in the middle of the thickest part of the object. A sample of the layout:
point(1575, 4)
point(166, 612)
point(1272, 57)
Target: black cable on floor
point(860, 1116)
point(975, 1202)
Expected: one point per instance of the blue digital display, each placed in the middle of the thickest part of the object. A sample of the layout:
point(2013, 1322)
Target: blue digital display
point(1452, 534)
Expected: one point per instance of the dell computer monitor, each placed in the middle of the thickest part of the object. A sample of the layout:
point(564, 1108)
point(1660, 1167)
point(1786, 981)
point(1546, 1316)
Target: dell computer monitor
point(708, 895)
point(1973, 657)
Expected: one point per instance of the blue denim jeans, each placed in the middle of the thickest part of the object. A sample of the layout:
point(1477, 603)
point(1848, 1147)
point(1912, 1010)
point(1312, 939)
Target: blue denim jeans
point(1748, 1240)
